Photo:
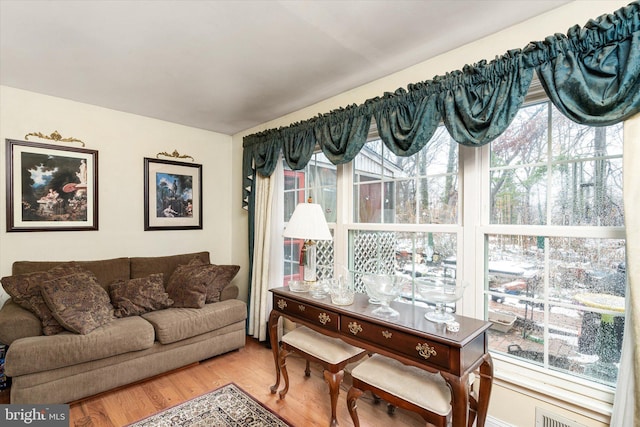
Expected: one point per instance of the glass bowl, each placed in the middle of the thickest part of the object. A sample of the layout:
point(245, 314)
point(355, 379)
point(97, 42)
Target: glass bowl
point(383, 288)
point(299, 286)
point(439, 291)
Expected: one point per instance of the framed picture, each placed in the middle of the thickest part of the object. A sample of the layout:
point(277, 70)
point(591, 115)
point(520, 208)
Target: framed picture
point(172, 195)
point(51, 187)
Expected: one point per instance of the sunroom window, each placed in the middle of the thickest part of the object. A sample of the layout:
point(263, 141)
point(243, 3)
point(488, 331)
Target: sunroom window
point(542, 230)
point(555, 249)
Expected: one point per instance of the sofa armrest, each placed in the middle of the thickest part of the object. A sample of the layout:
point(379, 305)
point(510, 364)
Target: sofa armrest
point(229, 292)
point(16, 322)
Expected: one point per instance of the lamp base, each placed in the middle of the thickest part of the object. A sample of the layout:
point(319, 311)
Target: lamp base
point(309, 261)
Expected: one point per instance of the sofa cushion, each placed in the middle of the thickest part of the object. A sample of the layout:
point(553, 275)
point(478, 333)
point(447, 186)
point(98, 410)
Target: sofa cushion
point(175, 324)
point(223, 275)
point(106, 271)
point(25, 291)
point(187, 286)
point(144, 266)
point(37, 354)
point(138, 296)
point(78, 302)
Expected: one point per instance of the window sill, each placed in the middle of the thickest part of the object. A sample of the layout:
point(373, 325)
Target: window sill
point(570, 393)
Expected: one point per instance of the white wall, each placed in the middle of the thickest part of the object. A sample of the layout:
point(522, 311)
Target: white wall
point(122, 141)
point(560, 20)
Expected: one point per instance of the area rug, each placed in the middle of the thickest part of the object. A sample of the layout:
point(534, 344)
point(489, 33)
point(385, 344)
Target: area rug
point(227, 406)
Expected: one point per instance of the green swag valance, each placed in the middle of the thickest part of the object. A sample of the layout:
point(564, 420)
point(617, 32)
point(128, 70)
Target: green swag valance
point(590, 74)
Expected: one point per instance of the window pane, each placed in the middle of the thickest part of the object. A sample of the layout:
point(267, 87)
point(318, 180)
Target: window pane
point(588, 193)
point(405, 212)
point(368, 202)
point(558, 302)
point(294, 190)
point(519, 196)
point(579, 184)
point(419, 189)
point(572, 141)
point(525, 142)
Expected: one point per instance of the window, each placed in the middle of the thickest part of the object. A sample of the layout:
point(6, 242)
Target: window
point(318, 182)
point(405, 216)
point(541, 237)
point(556, 284)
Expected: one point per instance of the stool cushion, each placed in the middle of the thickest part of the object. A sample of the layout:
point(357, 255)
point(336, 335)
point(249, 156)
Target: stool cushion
point(425, 389)
point(327, 349)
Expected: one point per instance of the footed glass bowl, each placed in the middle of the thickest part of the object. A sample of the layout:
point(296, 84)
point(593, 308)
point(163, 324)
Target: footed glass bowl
point(439, 291)
point(383, 288)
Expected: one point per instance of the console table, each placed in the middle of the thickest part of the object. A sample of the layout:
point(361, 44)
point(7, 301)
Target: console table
point(410, 338)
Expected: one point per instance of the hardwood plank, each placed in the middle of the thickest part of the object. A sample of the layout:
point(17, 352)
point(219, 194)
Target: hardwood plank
point(252, 369)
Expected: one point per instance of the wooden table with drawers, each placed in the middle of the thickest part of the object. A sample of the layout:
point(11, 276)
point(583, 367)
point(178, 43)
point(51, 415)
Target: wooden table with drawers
point(410, 338)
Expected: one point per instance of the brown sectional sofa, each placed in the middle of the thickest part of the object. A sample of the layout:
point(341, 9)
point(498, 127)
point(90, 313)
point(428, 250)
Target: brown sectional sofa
point(66, 367)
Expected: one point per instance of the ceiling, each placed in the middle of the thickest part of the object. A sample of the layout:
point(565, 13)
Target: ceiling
point(227, 66)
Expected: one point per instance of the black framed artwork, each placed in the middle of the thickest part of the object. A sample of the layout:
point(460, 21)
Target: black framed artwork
point(172, 195)
point(51, 187)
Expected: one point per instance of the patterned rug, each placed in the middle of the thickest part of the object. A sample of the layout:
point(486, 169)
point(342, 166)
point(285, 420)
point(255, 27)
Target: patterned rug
point(228, 405)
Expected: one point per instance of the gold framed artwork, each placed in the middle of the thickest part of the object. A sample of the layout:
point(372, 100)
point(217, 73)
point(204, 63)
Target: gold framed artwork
point(51, 187)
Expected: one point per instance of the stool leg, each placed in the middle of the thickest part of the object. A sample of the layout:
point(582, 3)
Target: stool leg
point(334, 379)
point(352, 397)
point(285, 374)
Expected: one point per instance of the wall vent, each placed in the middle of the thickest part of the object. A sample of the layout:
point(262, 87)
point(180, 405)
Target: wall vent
point(545, 418)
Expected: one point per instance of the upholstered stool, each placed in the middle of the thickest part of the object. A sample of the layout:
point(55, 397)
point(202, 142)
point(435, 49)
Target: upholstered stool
point(404, 386)
point(332, 353)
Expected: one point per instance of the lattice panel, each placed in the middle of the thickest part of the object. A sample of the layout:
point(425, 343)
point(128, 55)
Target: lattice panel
point(373, 245)
point(324, 259)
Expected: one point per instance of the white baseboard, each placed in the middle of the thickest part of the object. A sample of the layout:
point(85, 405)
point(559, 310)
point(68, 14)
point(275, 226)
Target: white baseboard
point(494, 422)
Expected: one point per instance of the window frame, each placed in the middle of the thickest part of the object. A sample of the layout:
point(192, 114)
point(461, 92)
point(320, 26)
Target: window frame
point(562, 389)
point(472, 226)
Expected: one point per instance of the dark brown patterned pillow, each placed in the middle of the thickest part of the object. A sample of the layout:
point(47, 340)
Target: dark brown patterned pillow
point(223, 275)
point(78, 302)
point(187, 285)
point(24, 289)
point(138, 296)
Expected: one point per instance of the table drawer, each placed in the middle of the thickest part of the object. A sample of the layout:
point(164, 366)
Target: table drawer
point(429, 352)
point(295, 309)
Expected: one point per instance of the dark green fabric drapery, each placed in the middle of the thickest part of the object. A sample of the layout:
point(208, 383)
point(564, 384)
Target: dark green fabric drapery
point(591, 75)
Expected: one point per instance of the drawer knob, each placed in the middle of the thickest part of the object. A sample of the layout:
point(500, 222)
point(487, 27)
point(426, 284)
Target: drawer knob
point(282, 304)
point(387, 334)
point(425, 350)
point(302, 307)
point(324, 318)
point(355, 328)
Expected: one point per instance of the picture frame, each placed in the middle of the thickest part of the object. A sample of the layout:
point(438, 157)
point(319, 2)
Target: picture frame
point(172, 195)
point(51, 187)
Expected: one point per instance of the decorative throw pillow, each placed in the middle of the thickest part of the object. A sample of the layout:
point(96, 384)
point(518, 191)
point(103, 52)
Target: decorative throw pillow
point(187, 285)
point(223, 275)
point(138, 296)
point(24, 289)
point(78, 302)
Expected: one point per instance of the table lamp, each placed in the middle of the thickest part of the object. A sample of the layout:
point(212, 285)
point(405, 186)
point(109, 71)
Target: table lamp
point(308, 223)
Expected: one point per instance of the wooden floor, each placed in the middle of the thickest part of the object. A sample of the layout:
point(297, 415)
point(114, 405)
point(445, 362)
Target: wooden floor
point(252, 369)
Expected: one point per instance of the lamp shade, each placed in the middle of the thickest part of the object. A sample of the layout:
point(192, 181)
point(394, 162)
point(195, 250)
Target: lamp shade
point(308, 222)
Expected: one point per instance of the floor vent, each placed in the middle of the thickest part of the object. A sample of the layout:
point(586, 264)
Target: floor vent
point(545, 418)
